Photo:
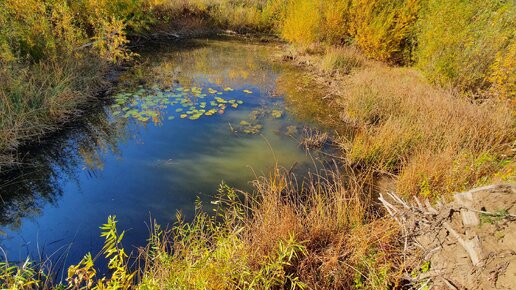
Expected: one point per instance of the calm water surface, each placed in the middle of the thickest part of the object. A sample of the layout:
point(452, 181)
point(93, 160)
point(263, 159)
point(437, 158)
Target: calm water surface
point(186, 119)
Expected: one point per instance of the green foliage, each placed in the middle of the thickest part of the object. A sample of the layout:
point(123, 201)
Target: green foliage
point(460, 42)
point(490, 218)
point(18, 277)
point(82, 275)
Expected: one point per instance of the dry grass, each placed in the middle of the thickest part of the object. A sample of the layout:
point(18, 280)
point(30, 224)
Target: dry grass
point(36, 99)
point(347, 244)
point(340, 240)
point(437, 142)
point(314, 139)
point(341, 59)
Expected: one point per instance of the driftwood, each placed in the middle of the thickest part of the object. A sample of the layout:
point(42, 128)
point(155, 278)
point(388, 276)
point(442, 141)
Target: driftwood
point(421, 217)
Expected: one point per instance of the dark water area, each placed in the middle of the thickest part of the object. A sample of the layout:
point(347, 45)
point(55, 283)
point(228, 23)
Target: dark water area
point(189, 117)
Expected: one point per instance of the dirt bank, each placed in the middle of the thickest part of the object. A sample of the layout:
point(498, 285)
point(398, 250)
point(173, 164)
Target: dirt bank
point(468, 243)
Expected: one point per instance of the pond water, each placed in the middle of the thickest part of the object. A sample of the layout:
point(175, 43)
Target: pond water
point(190, 116)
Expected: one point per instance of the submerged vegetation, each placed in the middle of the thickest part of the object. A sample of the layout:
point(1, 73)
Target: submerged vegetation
point(441, 124)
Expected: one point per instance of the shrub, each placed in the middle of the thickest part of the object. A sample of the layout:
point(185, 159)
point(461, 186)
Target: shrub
point(384, 28)
point(461, 43)
point(302, 23)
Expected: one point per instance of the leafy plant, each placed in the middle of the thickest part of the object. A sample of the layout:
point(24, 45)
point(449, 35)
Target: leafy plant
point(18, 277)
point(83, 275)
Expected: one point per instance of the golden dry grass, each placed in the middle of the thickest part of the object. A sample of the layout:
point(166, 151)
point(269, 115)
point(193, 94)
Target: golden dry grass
point(37, 99)
point(436, 141)
point(341, 242)
point(347, 244)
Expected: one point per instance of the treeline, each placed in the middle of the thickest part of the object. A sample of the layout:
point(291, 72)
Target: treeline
point(467, 45)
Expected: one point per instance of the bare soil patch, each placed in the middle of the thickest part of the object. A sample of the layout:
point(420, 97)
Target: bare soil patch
point(468, 243)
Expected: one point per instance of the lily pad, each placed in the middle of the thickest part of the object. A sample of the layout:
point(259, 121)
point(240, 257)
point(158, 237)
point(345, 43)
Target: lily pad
point(277, 114)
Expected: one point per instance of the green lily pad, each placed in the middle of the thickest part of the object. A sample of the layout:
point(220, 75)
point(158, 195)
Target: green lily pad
point(277, 114)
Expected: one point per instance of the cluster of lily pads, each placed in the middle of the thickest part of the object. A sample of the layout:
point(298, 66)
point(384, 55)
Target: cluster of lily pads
point(252, 124)
point(192, 103)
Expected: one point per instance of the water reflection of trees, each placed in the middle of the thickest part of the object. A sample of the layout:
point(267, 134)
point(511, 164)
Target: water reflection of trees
point(224, 63)
point(26, 189)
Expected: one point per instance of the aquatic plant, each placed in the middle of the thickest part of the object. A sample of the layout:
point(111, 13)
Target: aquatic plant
point(151, 104)
point(83, 275)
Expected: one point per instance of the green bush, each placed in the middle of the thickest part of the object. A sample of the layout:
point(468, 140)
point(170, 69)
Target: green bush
point(458, 41)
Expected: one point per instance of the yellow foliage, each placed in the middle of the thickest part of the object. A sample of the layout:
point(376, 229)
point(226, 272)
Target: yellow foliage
point(336, 21)
point(37, 29)
point(382, 28)
point(503, 76)
point(458, 41)
point(302, 22)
